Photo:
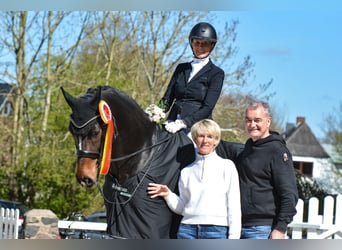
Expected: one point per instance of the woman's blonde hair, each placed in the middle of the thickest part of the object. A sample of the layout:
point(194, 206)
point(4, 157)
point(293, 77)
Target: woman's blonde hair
point(208, 126)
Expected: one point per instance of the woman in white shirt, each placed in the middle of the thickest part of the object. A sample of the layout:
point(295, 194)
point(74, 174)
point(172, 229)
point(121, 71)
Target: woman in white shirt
point(209, 192)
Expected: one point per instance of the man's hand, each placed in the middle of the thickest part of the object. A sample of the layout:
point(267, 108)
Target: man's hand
point(276, 234)
point(175, 126)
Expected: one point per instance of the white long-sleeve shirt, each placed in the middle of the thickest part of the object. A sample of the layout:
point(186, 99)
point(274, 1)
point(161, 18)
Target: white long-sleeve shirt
point(196, 65)
point(209, 194)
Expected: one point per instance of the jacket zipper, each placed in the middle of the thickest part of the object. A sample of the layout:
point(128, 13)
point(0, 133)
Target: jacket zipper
point(203, 161)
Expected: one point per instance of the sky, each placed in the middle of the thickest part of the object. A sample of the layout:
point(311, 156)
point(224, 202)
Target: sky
point(301, 50)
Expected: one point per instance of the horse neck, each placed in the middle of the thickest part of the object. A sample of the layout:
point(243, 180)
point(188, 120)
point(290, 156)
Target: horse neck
point(134, 144)
point(139, 133)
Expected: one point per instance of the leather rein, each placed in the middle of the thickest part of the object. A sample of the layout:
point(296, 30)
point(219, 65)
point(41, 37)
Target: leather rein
point(98, 155)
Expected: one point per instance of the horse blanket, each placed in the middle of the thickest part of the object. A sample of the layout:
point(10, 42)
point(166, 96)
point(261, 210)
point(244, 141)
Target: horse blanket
point(132, 213)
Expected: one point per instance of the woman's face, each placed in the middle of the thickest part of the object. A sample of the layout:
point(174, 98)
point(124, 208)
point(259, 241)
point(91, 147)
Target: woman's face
point(205, 143)
point(201, 48)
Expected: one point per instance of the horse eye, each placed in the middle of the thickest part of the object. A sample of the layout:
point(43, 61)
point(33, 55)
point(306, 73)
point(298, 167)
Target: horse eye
point(94, 131)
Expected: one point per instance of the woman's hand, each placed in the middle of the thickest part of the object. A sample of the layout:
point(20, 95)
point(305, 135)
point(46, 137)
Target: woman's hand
point(156, 190)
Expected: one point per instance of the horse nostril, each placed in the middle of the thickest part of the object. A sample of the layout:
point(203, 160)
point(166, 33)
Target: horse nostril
point(86, 182)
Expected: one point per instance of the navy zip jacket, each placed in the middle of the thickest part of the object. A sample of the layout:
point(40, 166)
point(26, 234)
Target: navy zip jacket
point(267, 183)
point(196, 99)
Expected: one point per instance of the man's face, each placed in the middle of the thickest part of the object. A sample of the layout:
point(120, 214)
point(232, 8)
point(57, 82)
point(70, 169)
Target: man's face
point(257, 124)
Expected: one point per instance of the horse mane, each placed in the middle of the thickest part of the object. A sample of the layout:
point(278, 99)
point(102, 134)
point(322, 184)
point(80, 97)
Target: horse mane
point(135, 131)
point(120, 94)
point(126, 101)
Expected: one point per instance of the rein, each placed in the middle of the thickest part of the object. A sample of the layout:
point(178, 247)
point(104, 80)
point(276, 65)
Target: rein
point(124, 190)
point(141, 150)
point(106, 116)
point(98, 155)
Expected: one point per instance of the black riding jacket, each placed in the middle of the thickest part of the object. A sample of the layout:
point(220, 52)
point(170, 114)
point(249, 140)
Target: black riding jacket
point(196, 99)
point(267, 183)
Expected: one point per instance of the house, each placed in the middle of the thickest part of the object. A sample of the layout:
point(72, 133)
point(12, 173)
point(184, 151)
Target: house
point(7, 93)
point(311, 158)
point(6, 99)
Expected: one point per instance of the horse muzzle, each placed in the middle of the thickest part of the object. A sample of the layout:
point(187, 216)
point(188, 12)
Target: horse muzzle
point(85, 181)
point(86, 173)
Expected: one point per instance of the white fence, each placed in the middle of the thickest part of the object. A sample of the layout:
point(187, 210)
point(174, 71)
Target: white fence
point(317, 226)
point(82, 225)
point(9, 223)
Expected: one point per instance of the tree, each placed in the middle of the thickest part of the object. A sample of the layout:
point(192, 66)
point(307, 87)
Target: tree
point(333, 129)
point(16, 25)
point(134, 51)
point(39, 134)
point(147, 46)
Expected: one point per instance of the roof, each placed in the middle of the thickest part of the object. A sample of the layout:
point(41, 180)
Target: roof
point(302, 142)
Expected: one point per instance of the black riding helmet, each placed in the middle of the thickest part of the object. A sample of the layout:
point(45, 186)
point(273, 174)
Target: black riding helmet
point(203, 31)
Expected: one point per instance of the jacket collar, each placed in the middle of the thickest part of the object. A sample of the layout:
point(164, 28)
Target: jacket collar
point(206, 68)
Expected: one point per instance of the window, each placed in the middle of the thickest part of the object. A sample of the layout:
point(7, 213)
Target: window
point(305, 168)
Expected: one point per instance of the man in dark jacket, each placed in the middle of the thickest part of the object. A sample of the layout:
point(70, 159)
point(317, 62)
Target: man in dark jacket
point(267, 178)
point(195, 86)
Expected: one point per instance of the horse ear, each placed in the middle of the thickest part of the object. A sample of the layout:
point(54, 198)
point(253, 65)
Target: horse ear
point(97, 97)
point(69, 98)
point(83, 108)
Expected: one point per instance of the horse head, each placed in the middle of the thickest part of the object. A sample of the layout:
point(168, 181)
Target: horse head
point(108, 125)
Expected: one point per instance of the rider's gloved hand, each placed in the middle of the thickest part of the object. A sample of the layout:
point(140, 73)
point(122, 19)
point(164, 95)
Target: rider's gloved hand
point(175, 126)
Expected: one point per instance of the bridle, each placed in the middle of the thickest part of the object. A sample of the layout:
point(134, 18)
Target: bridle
point(98, 155)
point(81, 153)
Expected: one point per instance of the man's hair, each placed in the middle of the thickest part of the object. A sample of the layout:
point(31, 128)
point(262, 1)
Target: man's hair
point(256, 104)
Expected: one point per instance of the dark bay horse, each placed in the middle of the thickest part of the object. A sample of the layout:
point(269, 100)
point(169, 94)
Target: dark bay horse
point(115, 138)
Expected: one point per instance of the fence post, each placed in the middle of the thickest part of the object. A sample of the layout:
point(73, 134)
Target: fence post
point(40, 224)
point(297, 233)
point(313, 216)
point(328, 211)
point(338, 214)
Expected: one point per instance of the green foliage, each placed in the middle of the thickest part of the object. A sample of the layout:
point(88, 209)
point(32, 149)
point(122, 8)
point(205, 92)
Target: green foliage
point(333, 131)
point(308, 188)
point(46, 173)
point(4, 178)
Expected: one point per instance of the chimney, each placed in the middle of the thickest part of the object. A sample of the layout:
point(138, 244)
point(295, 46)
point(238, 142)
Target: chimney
point(300, 120)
